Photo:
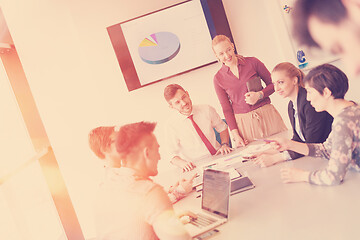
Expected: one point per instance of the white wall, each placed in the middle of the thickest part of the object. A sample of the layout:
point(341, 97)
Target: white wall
point(77, 83)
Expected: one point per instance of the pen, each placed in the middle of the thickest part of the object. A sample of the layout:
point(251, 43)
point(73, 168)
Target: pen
point(231, 158)
point(209, 166)
point(266, 140)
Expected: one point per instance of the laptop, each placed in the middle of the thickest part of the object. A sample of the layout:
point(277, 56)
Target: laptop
point(198, 180)
point(214, 203)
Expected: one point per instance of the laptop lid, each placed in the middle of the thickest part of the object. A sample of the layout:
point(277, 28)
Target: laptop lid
point(216, 192)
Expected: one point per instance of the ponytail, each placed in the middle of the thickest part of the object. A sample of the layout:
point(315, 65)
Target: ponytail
point(301, 76)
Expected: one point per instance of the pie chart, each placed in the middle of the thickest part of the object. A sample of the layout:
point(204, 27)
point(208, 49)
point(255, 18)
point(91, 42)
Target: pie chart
point(159, 47)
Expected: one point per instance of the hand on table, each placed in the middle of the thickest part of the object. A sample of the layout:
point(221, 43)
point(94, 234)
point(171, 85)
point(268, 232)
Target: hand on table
point(279, 144)
point(186, 216)
point(186, 184)
point(224, 149)
point(187, 165)
point(266, 160)
point(239, 142)
point(289, 175)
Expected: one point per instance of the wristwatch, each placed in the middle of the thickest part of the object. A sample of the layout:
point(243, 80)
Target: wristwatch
point(261, 95)
point(227, 144)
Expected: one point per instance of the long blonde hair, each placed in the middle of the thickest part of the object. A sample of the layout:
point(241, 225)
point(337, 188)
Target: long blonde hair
point(291, 71)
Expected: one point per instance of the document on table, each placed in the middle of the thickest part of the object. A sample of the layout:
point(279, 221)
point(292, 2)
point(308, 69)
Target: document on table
point(256, 148)
point(227, 162)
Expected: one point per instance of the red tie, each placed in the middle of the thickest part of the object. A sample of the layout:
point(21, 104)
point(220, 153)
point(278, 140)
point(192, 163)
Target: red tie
point(210, 147)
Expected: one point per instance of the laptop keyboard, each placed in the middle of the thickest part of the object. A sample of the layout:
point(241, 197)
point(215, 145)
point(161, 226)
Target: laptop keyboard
point(202, 220)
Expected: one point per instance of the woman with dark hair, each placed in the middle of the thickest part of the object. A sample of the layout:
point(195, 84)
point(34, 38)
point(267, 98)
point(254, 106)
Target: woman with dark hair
point(246, 105)
point(326, 86)
point(308, 125)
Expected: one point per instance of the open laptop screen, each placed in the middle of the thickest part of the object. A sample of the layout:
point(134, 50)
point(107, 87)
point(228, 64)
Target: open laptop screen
point(216, 192)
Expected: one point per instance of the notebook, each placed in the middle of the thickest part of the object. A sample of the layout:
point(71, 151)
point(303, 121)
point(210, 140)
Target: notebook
point(254, 84)
point(214, 203)
point(240, 185)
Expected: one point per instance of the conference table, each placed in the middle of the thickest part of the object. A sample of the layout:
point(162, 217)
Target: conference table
point(274, 210)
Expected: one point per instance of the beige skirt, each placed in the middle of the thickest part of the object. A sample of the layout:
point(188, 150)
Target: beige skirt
point(260, 123)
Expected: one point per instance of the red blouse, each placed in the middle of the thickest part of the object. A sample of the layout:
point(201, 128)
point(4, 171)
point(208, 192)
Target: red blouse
point(231, 90)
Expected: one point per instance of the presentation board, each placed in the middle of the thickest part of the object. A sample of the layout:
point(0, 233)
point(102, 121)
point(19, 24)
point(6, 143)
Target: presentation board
point(168, 42)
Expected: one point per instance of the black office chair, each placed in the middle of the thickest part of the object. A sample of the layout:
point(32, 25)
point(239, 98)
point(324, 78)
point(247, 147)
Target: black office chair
point(217, 134)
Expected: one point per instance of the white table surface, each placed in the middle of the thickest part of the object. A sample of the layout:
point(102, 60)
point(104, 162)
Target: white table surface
point(274, 210)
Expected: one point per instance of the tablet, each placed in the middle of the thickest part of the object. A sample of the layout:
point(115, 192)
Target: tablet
point(240, 185)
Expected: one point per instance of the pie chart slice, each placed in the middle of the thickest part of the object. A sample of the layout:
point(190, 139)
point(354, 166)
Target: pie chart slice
point(159, 47)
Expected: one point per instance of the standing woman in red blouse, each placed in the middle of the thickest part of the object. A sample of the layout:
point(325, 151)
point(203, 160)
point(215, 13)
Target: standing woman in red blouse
point(249, 114)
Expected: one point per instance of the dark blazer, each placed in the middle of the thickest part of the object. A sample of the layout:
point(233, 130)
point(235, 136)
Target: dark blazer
point(315, 126)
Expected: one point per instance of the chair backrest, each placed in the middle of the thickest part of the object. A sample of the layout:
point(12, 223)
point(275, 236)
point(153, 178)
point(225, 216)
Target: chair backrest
point(217, 134)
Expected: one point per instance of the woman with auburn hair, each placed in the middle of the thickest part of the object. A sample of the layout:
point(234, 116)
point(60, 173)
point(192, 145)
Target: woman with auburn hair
point(248, 112)
point(326, 86)
point(308, 125)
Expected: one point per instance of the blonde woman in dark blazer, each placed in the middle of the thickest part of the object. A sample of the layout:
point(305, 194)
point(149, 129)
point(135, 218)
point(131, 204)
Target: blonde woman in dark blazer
point(308, 125)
